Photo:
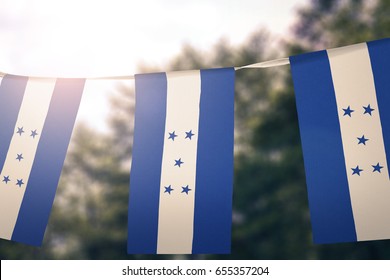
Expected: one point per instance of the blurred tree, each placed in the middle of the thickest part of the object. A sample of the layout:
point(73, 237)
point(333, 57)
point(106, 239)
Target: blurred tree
point(333, 23)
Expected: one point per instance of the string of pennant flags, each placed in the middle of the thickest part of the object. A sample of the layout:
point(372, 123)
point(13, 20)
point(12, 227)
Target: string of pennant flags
point(181, 179)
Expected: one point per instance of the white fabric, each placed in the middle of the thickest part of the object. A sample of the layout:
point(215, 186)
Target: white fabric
point(176, 210)
point(370, 192)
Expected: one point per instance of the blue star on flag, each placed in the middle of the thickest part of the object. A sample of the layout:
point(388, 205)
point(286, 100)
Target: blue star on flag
point(362, 140)
point(368, 109)
point(377, 167)
point(348, 111)
point(189, 135)
point(186, 189)
point(6, 179)
point(356, 170)
point(20, 131)
point(178, 162)
point(168, 189)
point(19, 157)
point(172, 136)
point(33, 133)
point(19, 182)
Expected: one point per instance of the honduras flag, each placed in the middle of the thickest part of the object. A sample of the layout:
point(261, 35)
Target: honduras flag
point(36, 122)
point(343, 101)
point(181, 178)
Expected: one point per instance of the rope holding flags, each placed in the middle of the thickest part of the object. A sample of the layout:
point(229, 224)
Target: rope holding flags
point(264, 64)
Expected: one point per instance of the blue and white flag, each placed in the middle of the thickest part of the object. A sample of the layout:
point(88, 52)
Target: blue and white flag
point(181, 179)
point(36, 121)
point(343, 101)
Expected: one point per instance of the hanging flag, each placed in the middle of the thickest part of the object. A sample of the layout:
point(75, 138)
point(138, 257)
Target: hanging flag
point(36, 122)
point(343, 101)
point(181, 178)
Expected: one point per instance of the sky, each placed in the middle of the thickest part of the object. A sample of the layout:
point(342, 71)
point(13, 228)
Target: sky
point(89, 38)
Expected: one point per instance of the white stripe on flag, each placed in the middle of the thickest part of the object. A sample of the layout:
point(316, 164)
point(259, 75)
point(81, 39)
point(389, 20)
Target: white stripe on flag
point(21, 153)
point(176, 209)
point(370, 191)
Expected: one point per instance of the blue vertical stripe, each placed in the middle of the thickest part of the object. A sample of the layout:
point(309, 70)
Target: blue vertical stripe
point(214, 168)
point(49, 159)
point(327, 183)
point(145, 176)
point(380, 62)
point(12, 90)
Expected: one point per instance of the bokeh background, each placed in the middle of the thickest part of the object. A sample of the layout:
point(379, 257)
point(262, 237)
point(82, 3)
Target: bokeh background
point(270, 207)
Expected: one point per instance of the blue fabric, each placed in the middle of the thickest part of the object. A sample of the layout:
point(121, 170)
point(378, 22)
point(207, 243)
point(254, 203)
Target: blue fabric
point(380, 62)
point(12, 90)
point(150, 112)
point(214, 176)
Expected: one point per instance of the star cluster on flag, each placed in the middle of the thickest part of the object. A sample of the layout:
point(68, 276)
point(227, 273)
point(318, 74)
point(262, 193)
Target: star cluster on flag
point(363, 140)
point(19, 157)
point(179, 162)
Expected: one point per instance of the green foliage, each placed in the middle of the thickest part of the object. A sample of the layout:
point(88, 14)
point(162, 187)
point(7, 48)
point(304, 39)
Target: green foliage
point(333, 23)
point(271, 215)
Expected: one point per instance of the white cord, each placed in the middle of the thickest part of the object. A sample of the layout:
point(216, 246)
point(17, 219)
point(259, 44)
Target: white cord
point(265, 64)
